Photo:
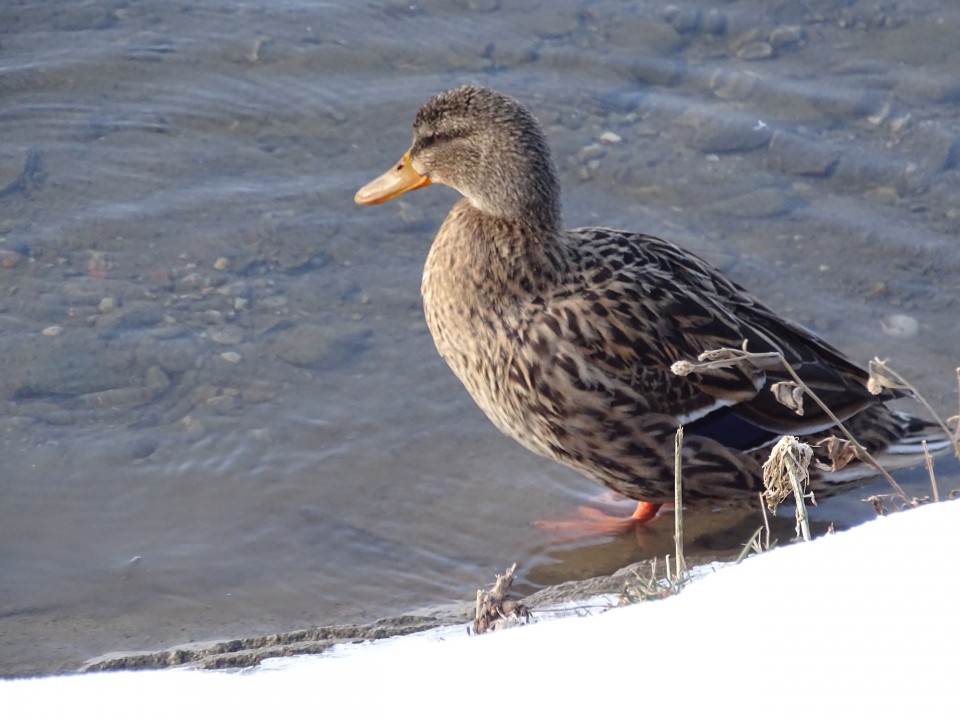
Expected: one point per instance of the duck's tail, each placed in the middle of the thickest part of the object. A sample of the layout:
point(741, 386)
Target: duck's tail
point(895, 439)
point(916, 432)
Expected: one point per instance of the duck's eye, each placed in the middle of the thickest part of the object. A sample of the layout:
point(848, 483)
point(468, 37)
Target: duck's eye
point(434, 138)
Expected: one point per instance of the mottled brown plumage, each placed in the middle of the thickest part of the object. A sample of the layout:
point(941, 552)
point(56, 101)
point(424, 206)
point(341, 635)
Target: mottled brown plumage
point(565, 339)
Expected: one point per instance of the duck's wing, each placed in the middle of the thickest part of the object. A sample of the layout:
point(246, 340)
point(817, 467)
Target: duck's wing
point(641, 304)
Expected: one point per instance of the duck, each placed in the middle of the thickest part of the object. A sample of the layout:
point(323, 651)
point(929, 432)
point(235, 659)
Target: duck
point(567, 339)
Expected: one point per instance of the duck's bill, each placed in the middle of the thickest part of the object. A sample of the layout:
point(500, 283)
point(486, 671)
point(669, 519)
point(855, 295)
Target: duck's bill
point(397, 180)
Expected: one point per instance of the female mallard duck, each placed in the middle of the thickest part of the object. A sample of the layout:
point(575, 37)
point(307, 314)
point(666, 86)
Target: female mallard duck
point(565, 338)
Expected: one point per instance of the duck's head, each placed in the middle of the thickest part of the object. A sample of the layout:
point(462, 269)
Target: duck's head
point(483, 144)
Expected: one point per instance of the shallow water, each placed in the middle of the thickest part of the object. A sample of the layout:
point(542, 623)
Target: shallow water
point(222, 412)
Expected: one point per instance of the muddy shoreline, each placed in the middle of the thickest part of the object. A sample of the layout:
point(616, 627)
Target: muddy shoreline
point(249, 652)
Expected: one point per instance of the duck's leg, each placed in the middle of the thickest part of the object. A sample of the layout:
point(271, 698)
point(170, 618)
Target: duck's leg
point(592, 521)
point(645, 512)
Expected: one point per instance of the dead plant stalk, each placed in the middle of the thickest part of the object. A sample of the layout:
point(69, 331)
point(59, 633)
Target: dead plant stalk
point(732, 356)
point(680, 561)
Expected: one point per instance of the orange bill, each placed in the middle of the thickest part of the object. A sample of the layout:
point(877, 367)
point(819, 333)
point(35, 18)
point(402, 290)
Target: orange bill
point(397, 180)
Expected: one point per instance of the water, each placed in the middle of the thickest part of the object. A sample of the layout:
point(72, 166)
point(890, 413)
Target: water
point(222, 413)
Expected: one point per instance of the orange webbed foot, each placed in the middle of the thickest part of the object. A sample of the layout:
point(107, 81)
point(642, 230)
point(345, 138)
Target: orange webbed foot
point(591, 521)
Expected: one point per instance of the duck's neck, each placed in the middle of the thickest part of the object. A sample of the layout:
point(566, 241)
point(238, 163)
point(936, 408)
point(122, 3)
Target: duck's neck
point(524, 190)
point(482, 275)
point(509, 257)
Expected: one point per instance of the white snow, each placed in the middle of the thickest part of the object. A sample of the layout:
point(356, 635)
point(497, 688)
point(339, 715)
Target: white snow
point(860, 624)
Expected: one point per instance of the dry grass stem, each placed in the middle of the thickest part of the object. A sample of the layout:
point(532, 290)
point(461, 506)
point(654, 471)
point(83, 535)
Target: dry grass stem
point(725, 357)
point(883, 376)
point(928, 463)
point(788, 471)
point(647, 586)
point(884, 504)
point(766, 523)
point(494, 611)
point(753, 544)
point(680, 562)
point(956, 418)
